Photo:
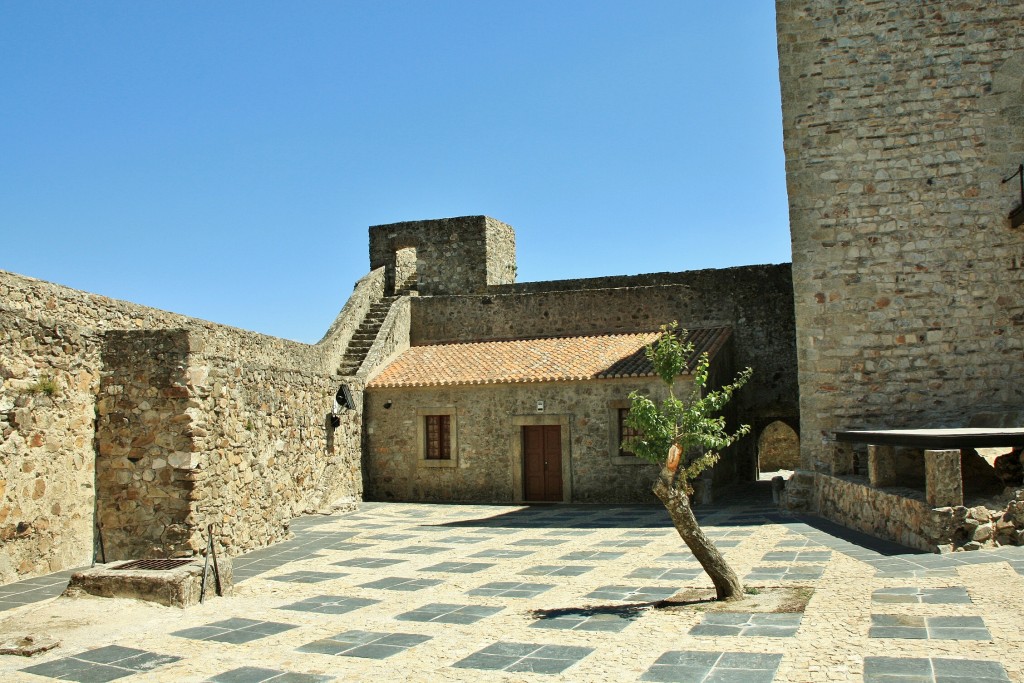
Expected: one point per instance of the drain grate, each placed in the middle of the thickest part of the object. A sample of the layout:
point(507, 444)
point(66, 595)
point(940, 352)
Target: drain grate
point(155, 565)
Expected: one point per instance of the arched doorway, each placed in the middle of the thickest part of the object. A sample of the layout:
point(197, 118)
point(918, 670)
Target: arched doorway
point(778, 448)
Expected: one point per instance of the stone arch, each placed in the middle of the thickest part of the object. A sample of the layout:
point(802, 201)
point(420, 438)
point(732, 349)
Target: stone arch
point(778, 447)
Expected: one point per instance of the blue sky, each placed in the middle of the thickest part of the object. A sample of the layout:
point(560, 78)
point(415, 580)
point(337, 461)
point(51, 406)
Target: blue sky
point(224, 160)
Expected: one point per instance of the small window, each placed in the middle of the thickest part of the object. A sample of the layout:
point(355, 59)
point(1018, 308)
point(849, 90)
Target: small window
point(437, 437)
point(625, 432)
point(438, 432)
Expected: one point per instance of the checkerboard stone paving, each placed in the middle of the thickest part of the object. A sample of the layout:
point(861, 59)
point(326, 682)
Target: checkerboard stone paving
point(235, 630)
point(932, 670)
point(255, 674)
point(713, 667)
point(102, 664)
point(445, 613)
point(932, 628)
point(768, 624)
point(524, 658)
point(366, 644)
point(930, 596)
point(329, 604)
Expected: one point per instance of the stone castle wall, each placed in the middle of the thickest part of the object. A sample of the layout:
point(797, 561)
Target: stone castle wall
point(900, 120)
point(48, 383)
point(198, 423)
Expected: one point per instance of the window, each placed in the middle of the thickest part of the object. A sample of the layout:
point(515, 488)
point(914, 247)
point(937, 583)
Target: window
point(625, 432)
point(437, 437)
point(437, 432)
point(618, 431)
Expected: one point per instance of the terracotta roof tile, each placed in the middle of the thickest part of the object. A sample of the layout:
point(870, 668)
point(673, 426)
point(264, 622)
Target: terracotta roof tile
point(535, 360)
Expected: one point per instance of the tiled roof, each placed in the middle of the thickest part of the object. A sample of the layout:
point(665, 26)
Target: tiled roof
point(535, 360)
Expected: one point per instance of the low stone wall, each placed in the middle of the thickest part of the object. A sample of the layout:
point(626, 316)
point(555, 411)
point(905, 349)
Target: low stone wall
point(850, 501)
point(48, 382)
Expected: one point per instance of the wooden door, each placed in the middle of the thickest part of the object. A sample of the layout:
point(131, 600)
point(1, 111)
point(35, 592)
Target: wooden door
point(542, 463)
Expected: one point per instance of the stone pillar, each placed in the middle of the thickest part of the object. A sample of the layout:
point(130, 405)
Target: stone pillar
point(944, 484)
point(843, 458)
point(882, 465)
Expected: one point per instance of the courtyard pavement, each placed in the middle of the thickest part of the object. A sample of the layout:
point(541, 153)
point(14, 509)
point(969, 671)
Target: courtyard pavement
point(416, 592)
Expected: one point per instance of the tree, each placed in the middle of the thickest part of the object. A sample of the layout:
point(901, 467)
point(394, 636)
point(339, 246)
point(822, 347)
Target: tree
point(686, 437)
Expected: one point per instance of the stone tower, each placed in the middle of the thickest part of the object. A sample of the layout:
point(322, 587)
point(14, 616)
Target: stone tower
point(444, 256)
point(901, 119)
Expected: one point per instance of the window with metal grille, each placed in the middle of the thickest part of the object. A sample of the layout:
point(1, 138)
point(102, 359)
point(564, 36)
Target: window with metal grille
point(625, 432)
point(438, 437)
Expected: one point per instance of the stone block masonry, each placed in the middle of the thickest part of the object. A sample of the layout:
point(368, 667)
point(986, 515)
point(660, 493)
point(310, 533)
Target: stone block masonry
point(900, 120)
point(189, 423)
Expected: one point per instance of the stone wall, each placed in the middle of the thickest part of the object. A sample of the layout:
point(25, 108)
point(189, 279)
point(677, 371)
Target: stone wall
point(486, 435)
point(48, 384)
point(203, 423)
point(756, 301)
point(453, 255)
point(145, 454)
point(900, 120)
point(901, 516)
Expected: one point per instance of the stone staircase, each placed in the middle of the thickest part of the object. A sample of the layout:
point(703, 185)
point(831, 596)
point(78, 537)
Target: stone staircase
point(363, 338)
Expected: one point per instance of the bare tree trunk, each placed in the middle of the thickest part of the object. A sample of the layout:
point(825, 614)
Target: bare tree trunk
point(727, 584)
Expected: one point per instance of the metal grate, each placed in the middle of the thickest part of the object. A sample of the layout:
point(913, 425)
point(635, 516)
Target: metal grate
point(155, 565)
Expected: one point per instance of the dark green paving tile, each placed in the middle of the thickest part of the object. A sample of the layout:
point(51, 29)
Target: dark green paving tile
point(329, 604)
point(344, 545)
point(102, 664)
point(458, 567)
point(932, 596)
point(419, 550)
point(584, 620)
point(633, 593)
point(767, 624)
point(797, 556)
point(370, 562)
point(897, 626)
point(713, 667)
point(556, 570)
point(932, 670)
point(449, 613)
point(510, 589)
point(463, 540)
point(572, 533)
point(543, 542)
point(252, 674)
point(665, 573)
point(307, 577)
point(503, 552)
point(680, 556)
point(524, 658)
point(234, 631)
point(399, 583)
point(366, 644)
point(623, 543)
point(592, 556)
